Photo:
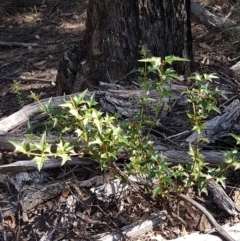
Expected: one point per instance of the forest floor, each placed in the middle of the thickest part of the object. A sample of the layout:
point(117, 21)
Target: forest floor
point(54, 27)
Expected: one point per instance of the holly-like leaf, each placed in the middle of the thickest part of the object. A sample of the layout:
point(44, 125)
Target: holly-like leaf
point(20, 146)
point(79, 132)
point(74, 112)
point(191, 151)
point(65, 158)
point(66, 105)
point(40, 161)
point(236, 137)
point(64, 148)
point(96, 141)
point(171, 58)
point(91, 101)
point(236, 165)
point(221, 180)
point(44, 146)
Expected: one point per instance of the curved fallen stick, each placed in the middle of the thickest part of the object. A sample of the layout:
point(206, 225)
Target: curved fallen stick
point(210, 218)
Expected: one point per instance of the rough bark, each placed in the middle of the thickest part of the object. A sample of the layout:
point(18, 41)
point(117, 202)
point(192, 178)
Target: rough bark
point(165, 27)
point(223, 201)
point(114, 32)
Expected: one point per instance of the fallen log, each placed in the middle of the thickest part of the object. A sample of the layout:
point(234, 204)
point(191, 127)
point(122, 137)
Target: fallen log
point(221, 126)
point(213, 158)
point(123, 101)
point(23, 115)
point(211, 20)
point(223, 201)
point(135, 229)
point(29, 165)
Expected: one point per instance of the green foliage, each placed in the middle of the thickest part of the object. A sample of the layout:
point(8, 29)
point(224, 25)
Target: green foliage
point(203, 101)
point(104, 137)
point(17, 91)
point(232, 157)
point(156, 75)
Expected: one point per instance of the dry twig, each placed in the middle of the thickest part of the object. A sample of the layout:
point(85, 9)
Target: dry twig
point(210, 218)
point(18, 44)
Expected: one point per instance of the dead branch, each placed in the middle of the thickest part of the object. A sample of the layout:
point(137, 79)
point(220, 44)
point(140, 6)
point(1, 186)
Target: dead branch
point(211, 219)
point(222, 125)
point(210, 19)
point(22, 116)
point(169, 154)
point(223, 201)
point(27, 79)
point(18, 44)
point(27, 165)
point(89, 220)
point(40, 194)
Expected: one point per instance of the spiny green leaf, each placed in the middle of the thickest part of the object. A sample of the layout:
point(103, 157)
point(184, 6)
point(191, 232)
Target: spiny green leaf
point(199, 128)
point(150, 60)
point(20, 146)
point(145, 52)
point(33, 147)
point(96, 141)
point(236, 165)
point(236, 137)
point(221, 180)
point(170, 59)
point(79, 132)
point(40, 161)
point(85, 121)
point(156, 191)
point(191, 151)
point(65, 158)
point(205, 139)
point(91, 101)
point(43, 145)
point(66, 105)
point(74, 112)
point(64, 147)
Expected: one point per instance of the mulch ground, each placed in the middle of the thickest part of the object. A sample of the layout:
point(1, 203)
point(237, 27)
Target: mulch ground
point(56, 26)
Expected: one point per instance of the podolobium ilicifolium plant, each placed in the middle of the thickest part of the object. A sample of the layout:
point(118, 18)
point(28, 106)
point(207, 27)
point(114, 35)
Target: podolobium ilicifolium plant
point(101, 135)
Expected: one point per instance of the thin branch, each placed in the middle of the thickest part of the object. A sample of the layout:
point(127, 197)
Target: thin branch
point(18, 44)
point(210, 218)
point(28, 79)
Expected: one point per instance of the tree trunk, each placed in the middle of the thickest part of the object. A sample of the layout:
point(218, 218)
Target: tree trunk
point(112, 31)
point(166, 29)
point(115, 31)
